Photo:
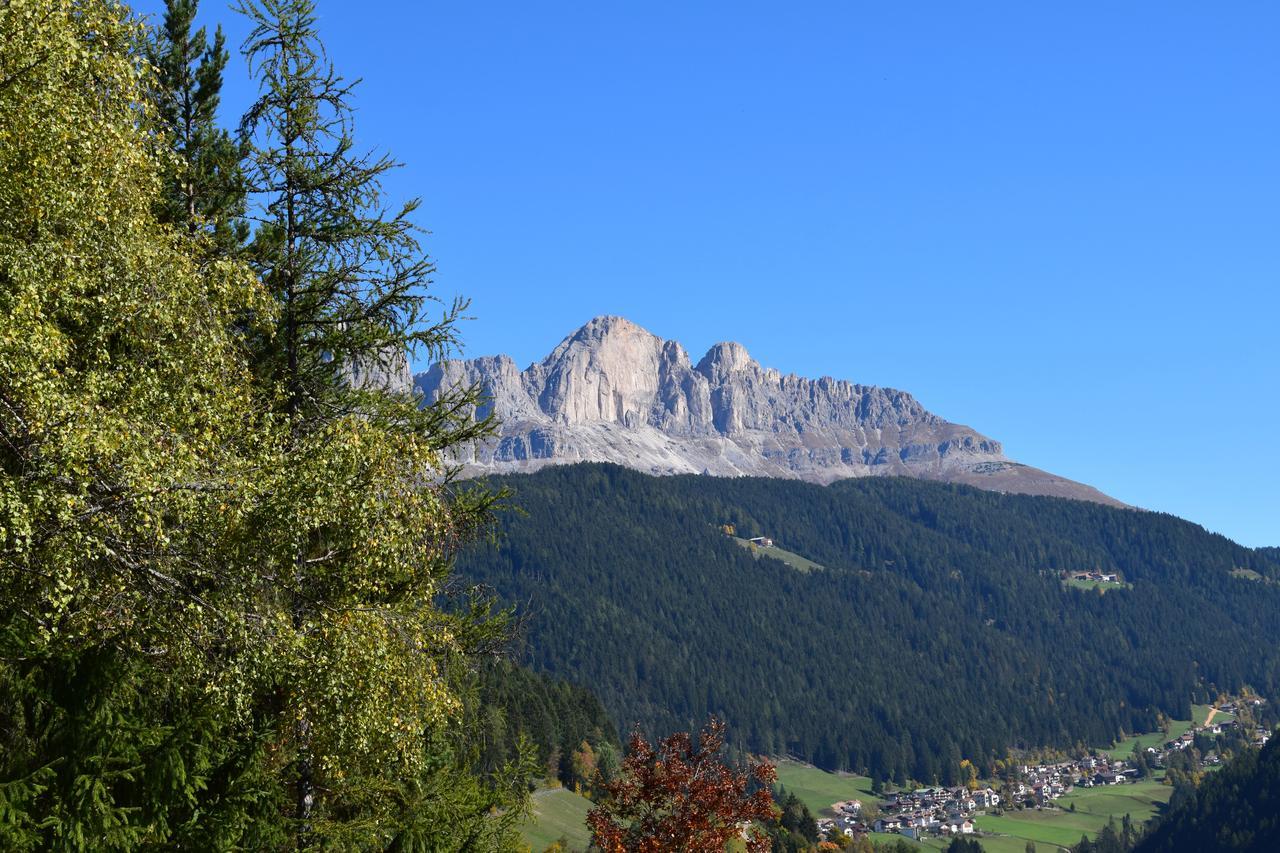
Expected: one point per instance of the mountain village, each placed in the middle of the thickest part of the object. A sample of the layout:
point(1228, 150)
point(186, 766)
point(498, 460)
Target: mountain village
point(949, 811)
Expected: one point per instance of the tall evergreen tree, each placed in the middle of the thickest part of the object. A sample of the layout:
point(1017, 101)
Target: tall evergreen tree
point(204, 186)
point(349, 279)
point(348, 272)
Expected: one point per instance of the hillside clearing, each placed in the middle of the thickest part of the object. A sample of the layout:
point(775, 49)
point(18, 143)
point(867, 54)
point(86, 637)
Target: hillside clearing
point(1094, 808)
point(557, 813)
point(773, 552)
point(1124, 748)
point(818, 789)
point(1101, 586)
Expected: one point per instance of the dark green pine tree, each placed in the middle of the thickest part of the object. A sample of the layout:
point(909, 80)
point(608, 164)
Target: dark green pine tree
point(204, 189)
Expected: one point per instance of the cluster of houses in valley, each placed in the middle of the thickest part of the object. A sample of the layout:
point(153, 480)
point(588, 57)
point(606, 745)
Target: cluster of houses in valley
point(914, 814)
point(950, 811)
point(1258, 735)
point(933, 811)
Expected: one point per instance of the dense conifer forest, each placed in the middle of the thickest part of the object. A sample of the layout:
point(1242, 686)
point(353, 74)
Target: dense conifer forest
point(941, 628)
point(563, 725)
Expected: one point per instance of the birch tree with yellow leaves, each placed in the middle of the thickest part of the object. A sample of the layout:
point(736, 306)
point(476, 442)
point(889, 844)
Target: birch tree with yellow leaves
point(221, 559)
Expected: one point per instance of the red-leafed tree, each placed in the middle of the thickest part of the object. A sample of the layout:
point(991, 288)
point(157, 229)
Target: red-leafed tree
point(682, 798)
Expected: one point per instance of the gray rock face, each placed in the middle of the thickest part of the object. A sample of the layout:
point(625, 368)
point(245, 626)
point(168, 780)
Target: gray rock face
point(388, 372)
point(614, 392)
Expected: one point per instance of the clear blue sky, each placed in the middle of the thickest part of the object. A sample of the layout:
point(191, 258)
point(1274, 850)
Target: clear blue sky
point(1057, 223)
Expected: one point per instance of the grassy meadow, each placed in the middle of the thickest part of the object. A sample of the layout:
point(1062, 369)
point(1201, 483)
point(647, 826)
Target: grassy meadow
point(1200, 713)
point(1124, 748)
point(1094, 807)
point(557, 813)
point(773, 552)
point(818, 789)
point(1084, 583)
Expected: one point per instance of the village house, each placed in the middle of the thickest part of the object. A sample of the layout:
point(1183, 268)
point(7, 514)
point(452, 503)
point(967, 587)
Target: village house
point(891, 824)
point(849, 807)
point(986, 798)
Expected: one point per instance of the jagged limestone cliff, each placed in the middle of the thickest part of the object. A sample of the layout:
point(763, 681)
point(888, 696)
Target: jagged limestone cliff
point(614, 392)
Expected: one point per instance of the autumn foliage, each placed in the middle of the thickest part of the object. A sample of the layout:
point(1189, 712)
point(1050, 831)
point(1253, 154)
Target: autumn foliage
point(679, 797)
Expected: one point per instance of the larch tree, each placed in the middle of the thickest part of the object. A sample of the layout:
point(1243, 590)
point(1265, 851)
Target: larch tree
point(368, 519)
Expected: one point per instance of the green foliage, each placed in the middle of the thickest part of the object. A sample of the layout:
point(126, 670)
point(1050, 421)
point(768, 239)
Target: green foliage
point(1236, 808)
point(353, 528)
point(964, 845)
point(123, 411)
point(219, 581)
point(794, 828)
point(105, 756)
point(938, 615)
point(552, 716)
point(350, 277)
point(1109, 840)
point(203, 182)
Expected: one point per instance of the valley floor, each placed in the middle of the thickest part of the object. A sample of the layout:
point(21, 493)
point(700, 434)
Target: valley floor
point(1083, 812)
point(1050, 828)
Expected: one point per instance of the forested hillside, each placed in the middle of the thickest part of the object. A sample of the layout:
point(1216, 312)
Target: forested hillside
point(1237, 808)
point(564, 725)
point(940, 630)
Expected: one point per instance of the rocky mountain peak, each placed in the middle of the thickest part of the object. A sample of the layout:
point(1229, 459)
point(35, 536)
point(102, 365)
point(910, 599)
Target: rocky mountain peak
point(725, 359)
point(613, 391)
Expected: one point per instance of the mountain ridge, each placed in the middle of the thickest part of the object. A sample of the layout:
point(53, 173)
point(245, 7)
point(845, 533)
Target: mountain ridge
point(614, 392)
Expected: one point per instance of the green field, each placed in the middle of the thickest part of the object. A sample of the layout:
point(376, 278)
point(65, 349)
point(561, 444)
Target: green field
point(1094, 807)
point(1050, 827)
point(1139, 800)
point(1124, 748)
point(818, 789)
point(773, 552)
point(557, 813)
point(1200, 712)
point(991, 843)
point(1001, 844)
